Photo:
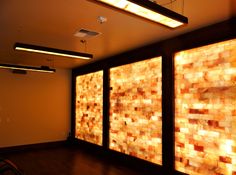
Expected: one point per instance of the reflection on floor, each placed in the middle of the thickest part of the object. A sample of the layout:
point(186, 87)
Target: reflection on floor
point(66, 160)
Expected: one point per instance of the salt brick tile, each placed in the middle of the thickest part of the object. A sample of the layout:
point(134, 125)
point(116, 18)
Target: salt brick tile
point(193, 121)
point(198, 148)
point(234, 111)
point(234, 149)
point(225, 159)
point(177, 129)
point(180, 144)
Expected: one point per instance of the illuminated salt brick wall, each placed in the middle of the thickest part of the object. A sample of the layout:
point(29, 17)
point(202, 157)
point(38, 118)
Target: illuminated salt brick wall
point(136, 110)
point(205, 124)
point(89, 107)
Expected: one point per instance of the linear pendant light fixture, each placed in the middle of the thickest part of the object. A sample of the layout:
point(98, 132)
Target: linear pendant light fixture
point(51, 51)
point(148, 10)
point(45, 69)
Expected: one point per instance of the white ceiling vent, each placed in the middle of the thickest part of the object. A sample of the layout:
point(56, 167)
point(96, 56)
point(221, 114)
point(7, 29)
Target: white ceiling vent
point(82, 33)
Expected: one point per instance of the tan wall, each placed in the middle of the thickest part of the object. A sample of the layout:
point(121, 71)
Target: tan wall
point(34, 108)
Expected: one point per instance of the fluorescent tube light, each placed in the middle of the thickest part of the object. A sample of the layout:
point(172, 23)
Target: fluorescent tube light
point(51, 51)
point(28, 68)
point(148, 10)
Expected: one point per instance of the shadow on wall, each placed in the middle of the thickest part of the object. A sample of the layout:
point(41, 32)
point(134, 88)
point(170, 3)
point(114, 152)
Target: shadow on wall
point(233, 8)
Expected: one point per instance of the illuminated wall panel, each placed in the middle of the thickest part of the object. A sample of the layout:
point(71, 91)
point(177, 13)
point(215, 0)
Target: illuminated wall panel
point(205, 124)
point(89, 107)
point(136, 111)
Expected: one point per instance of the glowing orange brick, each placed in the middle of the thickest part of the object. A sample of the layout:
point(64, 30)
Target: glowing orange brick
point(198, 148)
point(225, 159)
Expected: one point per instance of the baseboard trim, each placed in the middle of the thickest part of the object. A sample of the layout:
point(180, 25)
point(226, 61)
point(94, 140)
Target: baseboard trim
point(33, 146)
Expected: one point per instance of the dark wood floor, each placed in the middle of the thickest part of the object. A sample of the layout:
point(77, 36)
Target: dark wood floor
point(66, 160)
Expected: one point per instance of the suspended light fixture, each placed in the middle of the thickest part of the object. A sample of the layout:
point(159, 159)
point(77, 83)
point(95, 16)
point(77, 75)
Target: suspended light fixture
point(45, 69)
point(148, 10)
point(51, 51)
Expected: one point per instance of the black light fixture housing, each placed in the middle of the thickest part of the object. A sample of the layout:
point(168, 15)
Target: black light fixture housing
point(51, 51)
point(148, 10)
point(44, 69)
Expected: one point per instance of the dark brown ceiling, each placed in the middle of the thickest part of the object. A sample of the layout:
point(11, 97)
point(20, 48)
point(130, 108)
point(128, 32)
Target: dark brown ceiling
point(52, 23)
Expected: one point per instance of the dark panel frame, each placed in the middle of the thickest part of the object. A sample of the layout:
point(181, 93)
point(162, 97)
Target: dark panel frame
point(168, 113)
point(106, 105)
point(212, 34)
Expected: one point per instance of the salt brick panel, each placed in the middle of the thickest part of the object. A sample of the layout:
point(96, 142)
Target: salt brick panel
point(89, 107)
point(205, 105)
point(136, 110)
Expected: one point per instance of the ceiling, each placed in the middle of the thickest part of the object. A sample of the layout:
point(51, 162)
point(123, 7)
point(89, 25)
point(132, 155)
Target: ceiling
point(52, 23)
